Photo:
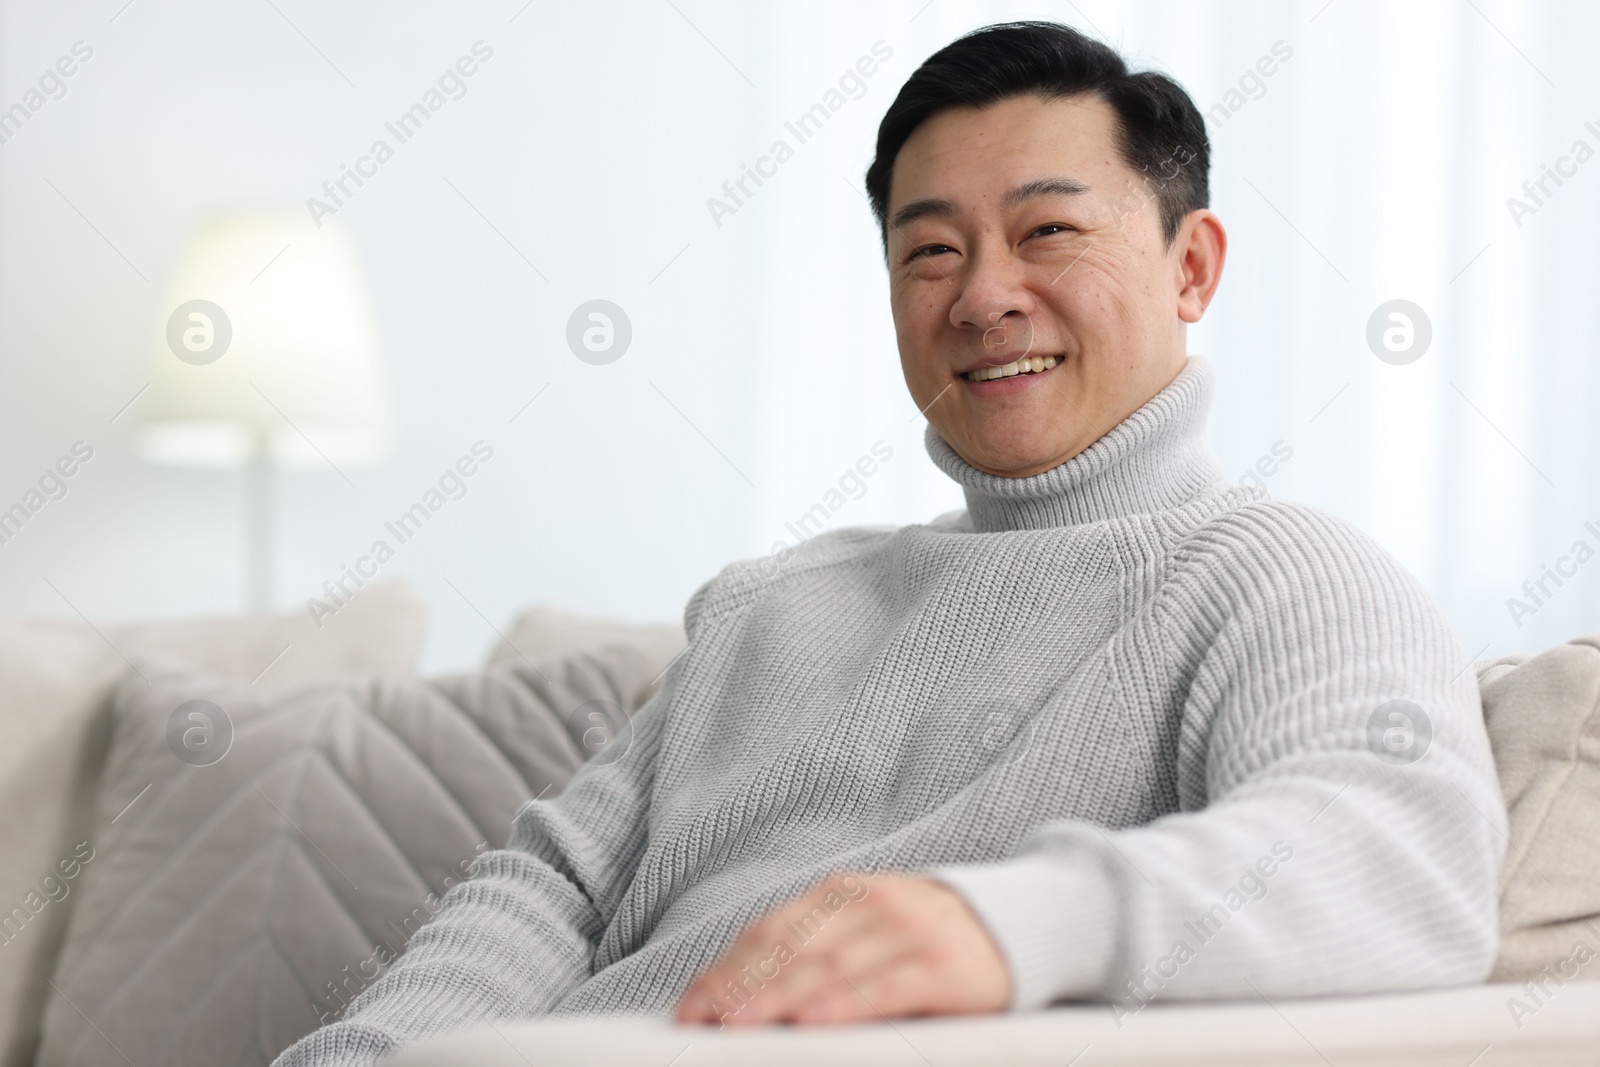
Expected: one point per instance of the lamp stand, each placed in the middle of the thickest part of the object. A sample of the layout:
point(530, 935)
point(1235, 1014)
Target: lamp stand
point(259, 524)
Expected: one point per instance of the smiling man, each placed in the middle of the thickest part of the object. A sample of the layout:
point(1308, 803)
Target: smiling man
point(1118, 730)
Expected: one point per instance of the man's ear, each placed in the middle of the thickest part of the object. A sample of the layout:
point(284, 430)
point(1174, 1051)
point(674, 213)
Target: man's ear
point(1198, 249)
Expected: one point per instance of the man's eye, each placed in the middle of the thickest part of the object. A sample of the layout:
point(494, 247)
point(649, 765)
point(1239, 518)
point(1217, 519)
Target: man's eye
point(1051, 228)
point(929, 250)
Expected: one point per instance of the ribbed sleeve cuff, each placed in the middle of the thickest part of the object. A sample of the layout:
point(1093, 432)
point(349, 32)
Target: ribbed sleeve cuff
point(1054, 917)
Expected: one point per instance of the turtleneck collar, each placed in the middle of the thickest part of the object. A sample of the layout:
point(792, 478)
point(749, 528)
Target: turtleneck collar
point(1155, 459)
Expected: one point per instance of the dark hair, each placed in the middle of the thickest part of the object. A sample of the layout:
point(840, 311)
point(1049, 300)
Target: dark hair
point(1158, 126)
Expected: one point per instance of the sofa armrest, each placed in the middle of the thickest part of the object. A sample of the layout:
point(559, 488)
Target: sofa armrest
point(1474, 1025)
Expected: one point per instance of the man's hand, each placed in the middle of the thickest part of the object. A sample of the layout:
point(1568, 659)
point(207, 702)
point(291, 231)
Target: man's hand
point(855, 949)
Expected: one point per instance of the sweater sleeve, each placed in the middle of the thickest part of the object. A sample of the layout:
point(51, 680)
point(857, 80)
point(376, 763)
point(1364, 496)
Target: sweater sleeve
point(1341, 825)
point(514, 938)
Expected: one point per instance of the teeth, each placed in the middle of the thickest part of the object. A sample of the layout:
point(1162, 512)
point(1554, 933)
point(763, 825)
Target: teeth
point(1025, 365)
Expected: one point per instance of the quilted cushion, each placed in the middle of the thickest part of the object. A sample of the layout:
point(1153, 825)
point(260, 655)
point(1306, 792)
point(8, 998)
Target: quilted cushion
point(1543, 716)
point(56, 678)
point(261, 854)
point(547, 628)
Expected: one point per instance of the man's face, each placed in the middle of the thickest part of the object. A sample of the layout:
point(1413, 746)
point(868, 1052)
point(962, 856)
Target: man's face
point(1018, 231)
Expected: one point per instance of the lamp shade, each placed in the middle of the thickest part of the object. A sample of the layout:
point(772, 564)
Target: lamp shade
point(265, 344)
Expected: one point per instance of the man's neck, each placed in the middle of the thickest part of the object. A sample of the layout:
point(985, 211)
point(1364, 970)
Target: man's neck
point(1157, 458)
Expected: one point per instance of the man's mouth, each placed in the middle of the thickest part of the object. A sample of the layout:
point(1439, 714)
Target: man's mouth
point(1025, 365)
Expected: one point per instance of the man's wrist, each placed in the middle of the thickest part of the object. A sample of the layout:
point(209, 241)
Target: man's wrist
point(1054, 918)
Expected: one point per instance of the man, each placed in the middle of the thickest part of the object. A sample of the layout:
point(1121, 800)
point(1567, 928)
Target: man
point(1119, 730)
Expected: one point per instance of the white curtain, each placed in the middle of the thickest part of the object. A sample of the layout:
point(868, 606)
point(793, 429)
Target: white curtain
point(603, 154)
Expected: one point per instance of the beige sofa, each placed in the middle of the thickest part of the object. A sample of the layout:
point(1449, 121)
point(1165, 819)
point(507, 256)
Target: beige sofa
point(55, 681)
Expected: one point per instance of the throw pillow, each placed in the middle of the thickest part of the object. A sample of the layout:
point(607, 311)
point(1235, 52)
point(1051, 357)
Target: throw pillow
point(55, 686)
point(1543, 715)
point(262, 853)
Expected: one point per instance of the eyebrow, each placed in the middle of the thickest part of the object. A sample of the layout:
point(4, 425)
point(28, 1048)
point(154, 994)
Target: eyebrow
point(933, 208)
point(1044, 187)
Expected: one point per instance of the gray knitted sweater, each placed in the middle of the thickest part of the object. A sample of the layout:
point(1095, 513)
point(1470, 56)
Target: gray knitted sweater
point(1139, 717)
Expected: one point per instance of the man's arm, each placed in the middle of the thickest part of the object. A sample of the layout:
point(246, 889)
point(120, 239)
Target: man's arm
point(1328, 846)
point(1305, 862)
point(511, 940)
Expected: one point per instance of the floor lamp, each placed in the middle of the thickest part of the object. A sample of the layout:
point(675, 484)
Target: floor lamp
point(266, 359)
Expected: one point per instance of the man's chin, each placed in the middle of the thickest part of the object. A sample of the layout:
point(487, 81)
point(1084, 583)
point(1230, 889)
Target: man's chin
point(1012, 459)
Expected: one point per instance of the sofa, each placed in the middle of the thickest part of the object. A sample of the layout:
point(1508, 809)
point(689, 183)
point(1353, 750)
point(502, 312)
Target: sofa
point(218, 831)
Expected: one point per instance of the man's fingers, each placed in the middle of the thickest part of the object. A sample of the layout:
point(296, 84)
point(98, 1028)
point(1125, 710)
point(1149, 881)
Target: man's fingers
point(820, 966)
point(765, 950)
point(896, 986)
point(834, 955)
point(770, 974)
point(695, 1006)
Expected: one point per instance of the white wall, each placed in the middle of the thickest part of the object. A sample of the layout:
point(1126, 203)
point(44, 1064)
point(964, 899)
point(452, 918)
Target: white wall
point(1375, 164)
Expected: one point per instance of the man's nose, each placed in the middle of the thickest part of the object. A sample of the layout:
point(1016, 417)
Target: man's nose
point(996, 308)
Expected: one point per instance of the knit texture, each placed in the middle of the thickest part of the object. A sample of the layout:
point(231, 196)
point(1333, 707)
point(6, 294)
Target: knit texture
point(1124, 707)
